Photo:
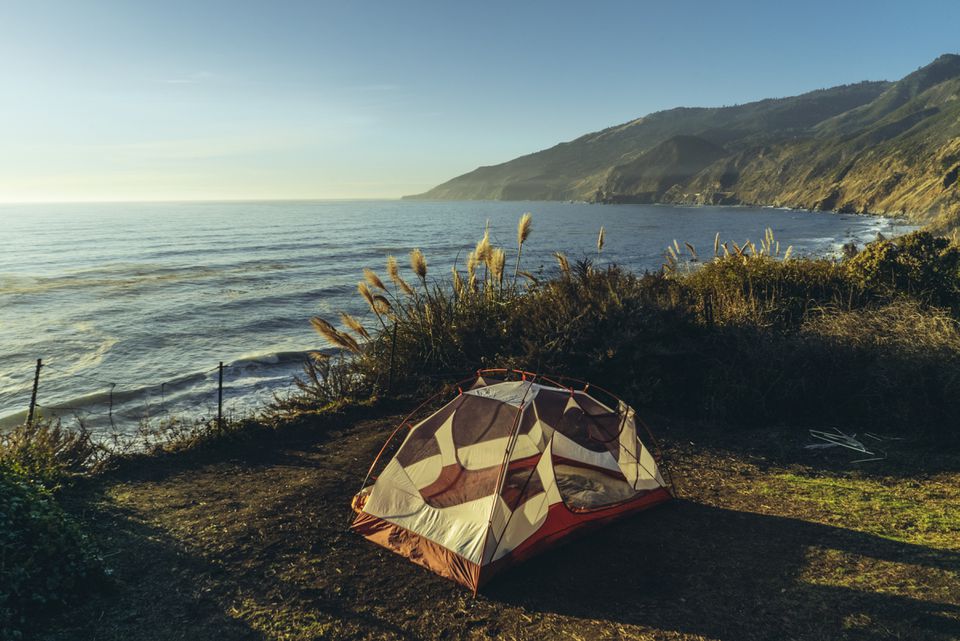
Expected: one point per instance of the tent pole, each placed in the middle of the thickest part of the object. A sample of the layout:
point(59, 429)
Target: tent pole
point(502, 476)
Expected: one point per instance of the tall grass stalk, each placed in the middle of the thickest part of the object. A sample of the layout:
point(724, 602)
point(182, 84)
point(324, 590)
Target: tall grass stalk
point(524, 227)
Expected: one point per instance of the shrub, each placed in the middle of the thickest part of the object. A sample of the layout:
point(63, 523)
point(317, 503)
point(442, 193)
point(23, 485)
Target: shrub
point(768, 292)
point(751, 336)
point(425, 331)
point(326, 382)
point(585, 322)
point(893, 367)
point(898, 366)
point(48, 453)
point(919, 265)
point(44, 556)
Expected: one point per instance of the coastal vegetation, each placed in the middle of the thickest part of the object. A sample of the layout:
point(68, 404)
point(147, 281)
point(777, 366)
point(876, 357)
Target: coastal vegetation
point(749, 334)
point(46, 558)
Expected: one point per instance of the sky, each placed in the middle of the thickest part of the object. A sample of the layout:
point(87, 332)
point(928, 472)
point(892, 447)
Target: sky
point(212, 100)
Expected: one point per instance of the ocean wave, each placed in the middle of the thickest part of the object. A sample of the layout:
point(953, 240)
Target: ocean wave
point(306, 297)
point(13, 419)
point(129, 276)
point(270, 358)
point(259, 248)
point(37, 284)
point(94, 358)
point(10, 384)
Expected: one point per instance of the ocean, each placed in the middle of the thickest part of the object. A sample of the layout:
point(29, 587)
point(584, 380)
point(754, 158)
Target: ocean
point(133, 306)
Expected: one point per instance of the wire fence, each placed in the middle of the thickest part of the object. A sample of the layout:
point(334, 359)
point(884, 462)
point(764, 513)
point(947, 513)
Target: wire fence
point(127, 406)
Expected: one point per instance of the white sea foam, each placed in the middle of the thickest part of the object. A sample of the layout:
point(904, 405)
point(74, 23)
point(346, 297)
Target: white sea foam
point(92, 359)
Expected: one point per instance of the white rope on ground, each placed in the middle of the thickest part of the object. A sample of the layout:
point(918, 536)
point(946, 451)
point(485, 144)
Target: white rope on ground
point(848, 441)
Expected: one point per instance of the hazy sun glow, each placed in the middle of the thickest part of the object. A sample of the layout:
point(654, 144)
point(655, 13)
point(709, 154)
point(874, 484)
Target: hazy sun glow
point(181, 100)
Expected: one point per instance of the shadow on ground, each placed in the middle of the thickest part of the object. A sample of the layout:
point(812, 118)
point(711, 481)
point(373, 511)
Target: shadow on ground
point(153, 588)
point(906, 456)
point(696, 569)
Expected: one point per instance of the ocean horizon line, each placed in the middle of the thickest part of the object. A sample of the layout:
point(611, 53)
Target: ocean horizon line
point(18, 203)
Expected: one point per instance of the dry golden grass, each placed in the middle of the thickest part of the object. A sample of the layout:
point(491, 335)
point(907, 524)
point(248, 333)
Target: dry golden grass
point(355, 325)
point(373, 279)
point(333, 336)
point(419, 265)
point(393, 270)
point(904, 324)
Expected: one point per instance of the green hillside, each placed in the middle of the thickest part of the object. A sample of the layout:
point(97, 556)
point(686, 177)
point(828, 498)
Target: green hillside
point(875, 147)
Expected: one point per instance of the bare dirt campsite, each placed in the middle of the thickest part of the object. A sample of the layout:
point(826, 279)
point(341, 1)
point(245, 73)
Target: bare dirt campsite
point(247, 539)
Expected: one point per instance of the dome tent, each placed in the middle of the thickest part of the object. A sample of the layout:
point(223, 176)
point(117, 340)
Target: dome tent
point(505, 470)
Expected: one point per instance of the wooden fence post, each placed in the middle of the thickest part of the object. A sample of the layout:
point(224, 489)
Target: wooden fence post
point(33, 396)
point(220, 398)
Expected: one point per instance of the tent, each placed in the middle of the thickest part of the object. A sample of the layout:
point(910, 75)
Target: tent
point(505, 470)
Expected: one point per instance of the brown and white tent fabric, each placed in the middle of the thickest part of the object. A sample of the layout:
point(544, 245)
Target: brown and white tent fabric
point(504, 471)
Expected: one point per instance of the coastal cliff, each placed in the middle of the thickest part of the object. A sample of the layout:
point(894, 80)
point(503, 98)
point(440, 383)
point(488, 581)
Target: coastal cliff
point(872, 147)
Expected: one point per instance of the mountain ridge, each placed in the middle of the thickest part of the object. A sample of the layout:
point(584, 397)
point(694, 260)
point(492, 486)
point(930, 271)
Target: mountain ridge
point(869, 147)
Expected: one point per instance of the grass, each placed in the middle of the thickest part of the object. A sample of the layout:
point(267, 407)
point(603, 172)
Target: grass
point(922, 512)
point(46, 559)
point(48, 453)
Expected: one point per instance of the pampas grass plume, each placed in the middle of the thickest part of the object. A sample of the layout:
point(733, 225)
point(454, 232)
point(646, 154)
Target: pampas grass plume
point(483, 248)
point(355, 325)
point(334, 337)
point(419, 264)
point(373, 279)
point(498, 258)
point(523, 228)
point(393, 270)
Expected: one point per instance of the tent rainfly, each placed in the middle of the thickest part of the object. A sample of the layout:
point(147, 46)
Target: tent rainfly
point(506, 470)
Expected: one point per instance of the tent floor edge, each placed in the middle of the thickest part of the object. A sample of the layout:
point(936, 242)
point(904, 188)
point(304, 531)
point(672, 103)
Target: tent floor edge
point(419, 549)
point(585, 522)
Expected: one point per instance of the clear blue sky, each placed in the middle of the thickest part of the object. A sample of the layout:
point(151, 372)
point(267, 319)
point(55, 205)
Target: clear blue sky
point(170, 100)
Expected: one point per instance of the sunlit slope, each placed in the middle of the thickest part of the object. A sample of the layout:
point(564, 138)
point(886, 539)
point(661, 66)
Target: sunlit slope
point(871, 147)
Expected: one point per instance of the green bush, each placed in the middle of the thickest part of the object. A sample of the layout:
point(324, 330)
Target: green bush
point(919, 265)
point(48, 453)
point(44, 556)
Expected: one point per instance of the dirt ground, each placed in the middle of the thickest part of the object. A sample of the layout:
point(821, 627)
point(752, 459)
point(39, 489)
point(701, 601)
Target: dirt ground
point(249, 541)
